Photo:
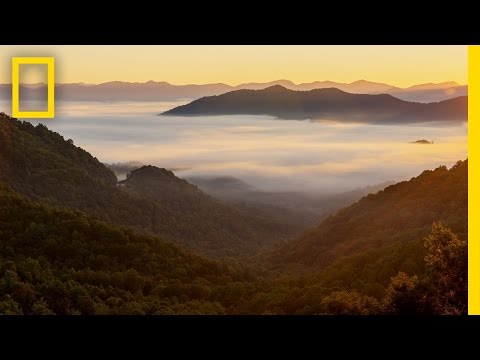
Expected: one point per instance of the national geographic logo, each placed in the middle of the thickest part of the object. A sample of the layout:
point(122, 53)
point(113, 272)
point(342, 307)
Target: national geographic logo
point(50, 62)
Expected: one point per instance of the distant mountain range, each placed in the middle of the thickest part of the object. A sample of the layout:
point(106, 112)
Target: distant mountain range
point(163, 91)
point(328, 103)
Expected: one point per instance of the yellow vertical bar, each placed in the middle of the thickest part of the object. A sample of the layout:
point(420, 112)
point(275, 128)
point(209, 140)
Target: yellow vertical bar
point(51, 87)
point(473, 180)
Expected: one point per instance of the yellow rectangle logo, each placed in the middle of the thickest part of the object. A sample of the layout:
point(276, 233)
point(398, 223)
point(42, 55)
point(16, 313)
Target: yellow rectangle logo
point(16, 62)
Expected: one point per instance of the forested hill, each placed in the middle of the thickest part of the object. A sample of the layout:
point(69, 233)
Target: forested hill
point(403, 211)
point(65, 262)
point(200, 214)
point(43, 166)
point(329, 103)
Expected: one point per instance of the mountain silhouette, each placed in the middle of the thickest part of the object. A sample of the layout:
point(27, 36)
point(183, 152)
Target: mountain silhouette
point(164, 91)
point(328, 103)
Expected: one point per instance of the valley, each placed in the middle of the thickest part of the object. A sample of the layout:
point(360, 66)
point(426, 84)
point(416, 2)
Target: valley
point(75, 240)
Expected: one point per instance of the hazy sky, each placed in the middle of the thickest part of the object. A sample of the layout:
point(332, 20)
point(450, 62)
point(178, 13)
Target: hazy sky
point(397, 65)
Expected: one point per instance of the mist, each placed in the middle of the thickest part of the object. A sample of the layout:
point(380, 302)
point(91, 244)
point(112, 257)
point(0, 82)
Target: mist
point(270, 154)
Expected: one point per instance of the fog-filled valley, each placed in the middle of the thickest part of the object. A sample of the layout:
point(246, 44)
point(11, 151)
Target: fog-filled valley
point(111, 208)
point(267, 153)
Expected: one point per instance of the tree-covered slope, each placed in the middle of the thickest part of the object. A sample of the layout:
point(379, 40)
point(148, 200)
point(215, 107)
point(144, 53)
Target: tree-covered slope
point(420, 276)
point(41, 165)
point(66, 262)
point(235, 231)
point(403, 211)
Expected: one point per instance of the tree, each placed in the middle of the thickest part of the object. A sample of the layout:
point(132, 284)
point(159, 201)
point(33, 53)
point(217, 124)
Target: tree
point(8, 306)
point(403, 295)
point(446, 271)
point(41, 308)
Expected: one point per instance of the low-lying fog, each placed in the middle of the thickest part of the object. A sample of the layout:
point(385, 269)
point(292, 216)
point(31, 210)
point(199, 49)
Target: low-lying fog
point(270, 154)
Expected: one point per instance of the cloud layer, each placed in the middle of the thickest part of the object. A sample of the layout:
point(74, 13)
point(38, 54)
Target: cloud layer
point(271, 154)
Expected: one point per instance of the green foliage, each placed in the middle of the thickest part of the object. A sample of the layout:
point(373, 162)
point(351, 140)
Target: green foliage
point(375, 283)
point(64, 262)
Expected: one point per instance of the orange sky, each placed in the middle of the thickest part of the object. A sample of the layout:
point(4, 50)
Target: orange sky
point(401, 66)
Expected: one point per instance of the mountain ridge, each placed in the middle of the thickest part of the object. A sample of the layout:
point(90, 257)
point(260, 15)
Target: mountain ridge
point(165, 91)
point(402, 211)
point(327, 103)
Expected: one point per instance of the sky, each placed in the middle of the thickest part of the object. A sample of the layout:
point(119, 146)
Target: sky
point(400, 66)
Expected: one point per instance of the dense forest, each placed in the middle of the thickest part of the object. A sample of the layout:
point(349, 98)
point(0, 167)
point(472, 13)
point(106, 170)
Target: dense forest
point(64, 262)
point(402, 250)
